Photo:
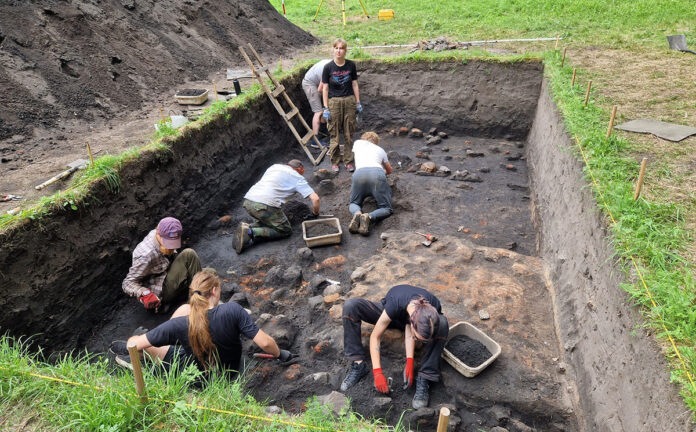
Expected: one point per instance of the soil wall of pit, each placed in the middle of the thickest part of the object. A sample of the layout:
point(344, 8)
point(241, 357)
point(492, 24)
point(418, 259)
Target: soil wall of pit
point(621, 376)
point(61, 275)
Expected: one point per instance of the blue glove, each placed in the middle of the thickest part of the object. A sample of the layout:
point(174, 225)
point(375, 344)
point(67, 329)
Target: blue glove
point(327, 114)
point(358, 107)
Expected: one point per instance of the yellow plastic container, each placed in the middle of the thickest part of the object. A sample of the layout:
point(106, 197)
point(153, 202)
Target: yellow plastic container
point(385, 14)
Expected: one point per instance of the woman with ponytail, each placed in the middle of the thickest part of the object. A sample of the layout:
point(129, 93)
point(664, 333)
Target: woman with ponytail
point(205, 332)
point(411, 309)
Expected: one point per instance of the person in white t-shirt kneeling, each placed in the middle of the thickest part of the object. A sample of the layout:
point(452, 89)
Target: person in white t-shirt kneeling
point(369, 179)
point(263, 202)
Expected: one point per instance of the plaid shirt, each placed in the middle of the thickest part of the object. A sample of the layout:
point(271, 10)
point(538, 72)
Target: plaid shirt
point(148, 270)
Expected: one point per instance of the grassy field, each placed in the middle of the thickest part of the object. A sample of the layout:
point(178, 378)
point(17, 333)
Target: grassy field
point(621, 46)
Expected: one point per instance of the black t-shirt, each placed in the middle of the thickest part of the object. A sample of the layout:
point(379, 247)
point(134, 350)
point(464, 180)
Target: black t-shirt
point(399, 296)
point(227, 322)
point(340, 79)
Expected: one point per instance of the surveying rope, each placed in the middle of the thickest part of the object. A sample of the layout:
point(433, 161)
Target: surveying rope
point(171, 402)
point(635, 265)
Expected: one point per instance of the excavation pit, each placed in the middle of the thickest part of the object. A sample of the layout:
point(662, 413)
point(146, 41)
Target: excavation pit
point(505, 244)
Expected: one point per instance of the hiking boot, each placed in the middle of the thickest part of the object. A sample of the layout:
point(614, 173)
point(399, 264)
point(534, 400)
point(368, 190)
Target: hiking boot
point(364, 224)
point(420, 399)
point(124, 361)
point(243, 237)
point(350, 167)
point(355, 222)
point(118, 347)
point(356, 373)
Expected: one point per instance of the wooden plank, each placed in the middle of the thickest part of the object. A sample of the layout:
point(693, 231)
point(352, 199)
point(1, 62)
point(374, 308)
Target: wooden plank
point(292, 113)
point(280, 89)
point(307, 137)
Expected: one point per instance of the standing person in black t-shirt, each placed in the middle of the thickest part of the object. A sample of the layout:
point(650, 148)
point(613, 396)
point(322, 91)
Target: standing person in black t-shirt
point(341, 98)
point(210, 335)
point(411, 309)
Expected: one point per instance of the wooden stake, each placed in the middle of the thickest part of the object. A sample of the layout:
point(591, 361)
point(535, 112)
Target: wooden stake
point(215, 91)
point(557, 37)
point(280, 64)
point(89, 152)
point(443, 421)
point(563, 59)
point(162, 114)
point(137, 371)
point(587, 93)
point(572, 83)
point(611, 121)
point(639, 185)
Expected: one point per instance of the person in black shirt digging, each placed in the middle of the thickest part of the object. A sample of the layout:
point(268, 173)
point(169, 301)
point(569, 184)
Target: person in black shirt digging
point(411, 309)
point(210, 336)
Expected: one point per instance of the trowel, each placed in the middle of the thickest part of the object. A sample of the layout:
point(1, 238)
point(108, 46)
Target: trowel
point(72, 167)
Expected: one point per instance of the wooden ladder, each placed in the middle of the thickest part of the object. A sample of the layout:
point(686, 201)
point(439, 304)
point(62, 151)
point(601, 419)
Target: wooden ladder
point(287, 116)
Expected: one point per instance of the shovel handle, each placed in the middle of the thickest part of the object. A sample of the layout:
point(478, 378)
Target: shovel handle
point(55, 178)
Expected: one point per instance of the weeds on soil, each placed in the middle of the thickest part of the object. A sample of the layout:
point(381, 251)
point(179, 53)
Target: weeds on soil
point(92, 395)
point(650, 232)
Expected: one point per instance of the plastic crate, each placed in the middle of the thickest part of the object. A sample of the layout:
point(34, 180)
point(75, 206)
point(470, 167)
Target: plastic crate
point(323, 239)
point(466, 329)
point(200, 98)
point(385, 14)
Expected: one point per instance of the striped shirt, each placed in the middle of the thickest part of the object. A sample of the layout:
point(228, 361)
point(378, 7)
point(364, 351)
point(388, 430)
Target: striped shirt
point(148, 270)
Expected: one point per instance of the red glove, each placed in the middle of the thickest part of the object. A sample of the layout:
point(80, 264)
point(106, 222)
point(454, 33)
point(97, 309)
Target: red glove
point(149, 300)
point(408, 372)
point(380, 381)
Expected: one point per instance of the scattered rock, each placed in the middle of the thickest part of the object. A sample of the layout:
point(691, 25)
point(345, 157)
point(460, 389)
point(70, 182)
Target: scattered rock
point(484, 315)
point(332, 262)
point(319, 377)
point(491, 255)
point(520, 188)
point(444, 170)
point(422, 414)
point(228, 289)
point(425, 150)
point(448, 157)
point(412, 168)
point(293, 372)
point(274, 276)
point(515, 157)
point(495, 150)
point(316, 301)
point(317, 283)
point(292, 276)
point(128, 4)
point(336, 312)
point(501, 414)
point(403, 131)
point(484, 170)
point(273, 409)
point(358, 274)
point(332, 298)
point(415, 133)
point(240, 298)
point(433, 140)
point(263, 318)
point(421, 155)
point(509, 167)
point(332, 289)
point(443, 135)
point(277, 294)
point(337, 401)
point(225, 219)
point(381, 402)
point(326, 187)
point(464, 186)
point(561, 368)
point(511, 245)
point(466, 176)
point(445, 149)
point(282, 329)
point(398, 160)
point(305, 255)
point(473, 154)
point(428, 167)
point(432, 131)
point(323, 174)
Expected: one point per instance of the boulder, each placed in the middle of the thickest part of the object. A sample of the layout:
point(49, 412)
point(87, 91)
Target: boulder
point(358, 274)
point(337, 401)
point(316, 301)
point(292, 276)
point(428, 167)
point(305, 255)
point(415, 133)
point(282, 329)
point(433, 140)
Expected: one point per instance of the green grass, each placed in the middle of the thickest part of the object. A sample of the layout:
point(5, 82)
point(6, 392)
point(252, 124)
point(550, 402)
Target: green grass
point(95, 397)
point(617, 23)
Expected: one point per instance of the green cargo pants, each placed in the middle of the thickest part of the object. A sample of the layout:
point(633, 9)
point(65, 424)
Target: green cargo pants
point(179, 276)
point(271, 222)
point(342, 120)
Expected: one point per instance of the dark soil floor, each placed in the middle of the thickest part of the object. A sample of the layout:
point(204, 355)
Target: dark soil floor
point(290, 292)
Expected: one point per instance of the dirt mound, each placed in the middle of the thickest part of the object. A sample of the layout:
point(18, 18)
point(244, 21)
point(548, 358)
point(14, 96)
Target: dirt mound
point(85, 59)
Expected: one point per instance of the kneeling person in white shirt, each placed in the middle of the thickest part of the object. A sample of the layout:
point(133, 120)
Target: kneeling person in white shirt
point(369, 179)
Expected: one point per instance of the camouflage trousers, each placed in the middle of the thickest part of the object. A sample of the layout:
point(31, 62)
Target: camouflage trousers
point(271, 222)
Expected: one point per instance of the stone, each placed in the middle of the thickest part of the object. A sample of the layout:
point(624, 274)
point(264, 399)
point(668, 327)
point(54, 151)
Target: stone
point(509, 167)
point(432, 131)
point(332, 289)
point(381, 402)
point(415, 133)
point(332, 298)
point(358, 274)
point(515, 425)
point(495, 150)
point(274, 276)
point(319, 377)
point(464, 186)
point(444, 169)
point(421, 155)
point(323, 174)
point(128, 4)
point(422, 414)
point(466, 176)
point(333, 262)
point(448, 157)
point(443, 135)
point(228, 289)
point(403, 131)
point(240, 298)
point(282, 329)
point(484, 315)
point(491, 255)
point(305, 254)
point(445, 149)
point(336, 312)
point(501, 414)
point(326, 187)
point(337, 401)
point(273, 409)
point(520, 188)
point(316, 301)
point(277, 294)
point(433, 140)
point(398, 160)
point(428, 167)
point(484, 170)
point(561, 368)
point(472, 154)
point(263, 318)
point(293, 372)
point(515, 157)
point(511, 245)
point(425, 150)
point(292, 276)
point(317, 284)
point(225, 219)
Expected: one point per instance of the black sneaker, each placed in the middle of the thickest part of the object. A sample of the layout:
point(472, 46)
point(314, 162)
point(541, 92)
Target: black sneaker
point(124, 360)
point(118, 347)
point(242, 237)
point(420, 399)
point(356, 373)
point(355, 223)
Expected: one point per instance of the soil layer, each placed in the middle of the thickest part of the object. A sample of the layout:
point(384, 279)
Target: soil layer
point(471, 352)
